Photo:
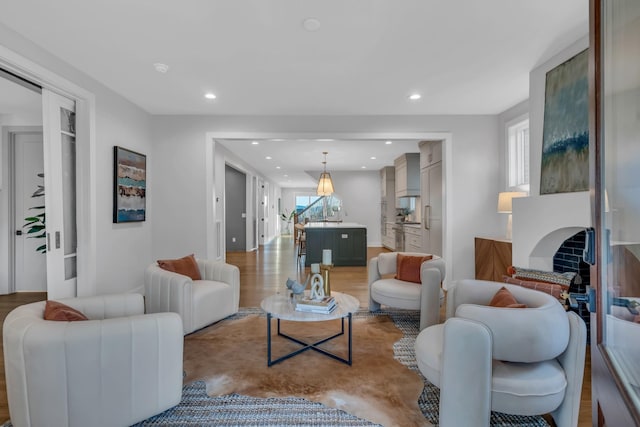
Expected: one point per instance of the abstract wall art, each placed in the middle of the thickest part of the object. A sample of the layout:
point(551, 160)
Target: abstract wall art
point(129, 185)
point(565, 138)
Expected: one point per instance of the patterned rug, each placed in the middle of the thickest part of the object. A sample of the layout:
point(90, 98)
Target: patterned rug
point(198, 409)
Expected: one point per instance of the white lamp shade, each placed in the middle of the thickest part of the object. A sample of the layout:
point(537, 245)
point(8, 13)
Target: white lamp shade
point(325, 185)
point(505, 200)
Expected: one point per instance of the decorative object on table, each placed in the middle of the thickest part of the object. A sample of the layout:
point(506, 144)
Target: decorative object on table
point(505, 203)
point(129, 185)
point(565, 138)
point(288, 218)
point(295, 286)
point(324, 305)
point(325, 268)
point(325, 184)
point(317, 287)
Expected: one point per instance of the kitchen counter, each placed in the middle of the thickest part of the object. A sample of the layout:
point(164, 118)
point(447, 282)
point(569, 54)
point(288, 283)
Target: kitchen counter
point(333, 225)
point(347, 241)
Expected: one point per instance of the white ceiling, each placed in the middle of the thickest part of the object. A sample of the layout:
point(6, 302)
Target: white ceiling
point(463, 56)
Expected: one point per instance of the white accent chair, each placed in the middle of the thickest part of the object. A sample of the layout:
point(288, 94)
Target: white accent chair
point(521, 361)
point(392, 292)
point(198, 302)
point(116, 369)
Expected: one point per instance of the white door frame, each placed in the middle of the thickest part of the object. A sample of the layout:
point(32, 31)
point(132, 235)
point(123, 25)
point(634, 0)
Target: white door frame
point(85, 158)
point(447, 161)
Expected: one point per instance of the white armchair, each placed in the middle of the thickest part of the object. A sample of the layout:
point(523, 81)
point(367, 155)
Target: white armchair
point(521, 361)
point(118, 368)
point(198, 302)
point(426, 296)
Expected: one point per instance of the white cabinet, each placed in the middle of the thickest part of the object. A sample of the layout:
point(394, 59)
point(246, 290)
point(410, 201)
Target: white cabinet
point(412, 239)
point(431, 184)
point(389, 238)
point(407, 168)
point(387, 182)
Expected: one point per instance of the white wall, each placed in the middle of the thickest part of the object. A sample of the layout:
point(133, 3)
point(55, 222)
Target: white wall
point(180, 150)
point(123, 250)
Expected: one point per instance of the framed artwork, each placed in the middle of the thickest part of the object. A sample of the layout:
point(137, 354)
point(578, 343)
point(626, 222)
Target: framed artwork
point(129, 185)
point(565, 135)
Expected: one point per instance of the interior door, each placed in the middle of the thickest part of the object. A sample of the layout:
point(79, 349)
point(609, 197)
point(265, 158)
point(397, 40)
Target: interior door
point(59, 135)
point(616, 210)
point(30, 272)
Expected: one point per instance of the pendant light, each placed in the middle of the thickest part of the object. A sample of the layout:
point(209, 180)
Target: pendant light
point(325, 184)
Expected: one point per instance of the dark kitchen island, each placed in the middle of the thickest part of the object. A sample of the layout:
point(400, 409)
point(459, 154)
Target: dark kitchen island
point(347, 241)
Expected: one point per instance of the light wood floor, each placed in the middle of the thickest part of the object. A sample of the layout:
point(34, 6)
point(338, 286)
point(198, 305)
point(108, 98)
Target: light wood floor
point(263, 273)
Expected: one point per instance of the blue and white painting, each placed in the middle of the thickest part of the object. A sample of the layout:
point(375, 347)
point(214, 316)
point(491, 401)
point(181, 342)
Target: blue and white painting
point(565, 138)
point(130, 186)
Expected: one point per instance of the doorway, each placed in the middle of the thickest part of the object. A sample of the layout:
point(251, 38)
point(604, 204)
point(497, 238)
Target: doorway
point(235, 209)
point(27, 194)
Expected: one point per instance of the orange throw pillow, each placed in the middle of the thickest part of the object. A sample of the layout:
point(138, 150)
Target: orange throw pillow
point(408, 267)
point(186, 266)
point(54, 310)
point(504, 298)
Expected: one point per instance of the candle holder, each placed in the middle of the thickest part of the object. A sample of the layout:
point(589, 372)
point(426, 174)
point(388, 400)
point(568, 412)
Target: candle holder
point(324, 270)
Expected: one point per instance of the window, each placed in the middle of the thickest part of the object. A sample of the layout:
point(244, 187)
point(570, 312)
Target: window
point(518, 155)
point(303, 201)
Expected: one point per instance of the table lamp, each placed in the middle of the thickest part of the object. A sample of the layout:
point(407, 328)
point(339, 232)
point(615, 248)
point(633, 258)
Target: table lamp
point(505, 206)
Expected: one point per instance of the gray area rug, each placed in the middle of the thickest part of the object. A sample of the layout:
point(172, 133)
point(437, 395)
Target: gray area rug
point(198, 409)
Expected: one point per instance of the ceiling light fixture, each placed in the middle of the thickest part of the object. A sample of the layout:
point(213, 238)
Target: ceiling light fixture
point(363, 167)
point(311, 24)
point(325, 184)
point(254, 143)
point(277, 167)
point(415, 96)
point(389, 142)
point(160, 67)
point(210, 95)
point(268, 157)
point(373, 158)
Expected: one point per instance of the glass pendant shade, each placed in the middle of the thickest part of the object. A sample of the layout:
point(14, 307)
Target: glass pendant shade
point(325, 185)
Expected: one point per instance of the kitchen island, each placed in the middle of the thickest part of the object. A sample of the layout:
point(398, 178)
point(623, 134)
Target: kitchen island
point(347, 241)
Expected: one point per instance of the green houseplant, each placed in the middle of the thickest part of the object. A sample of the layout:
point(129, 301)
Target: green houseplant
point(35, 225)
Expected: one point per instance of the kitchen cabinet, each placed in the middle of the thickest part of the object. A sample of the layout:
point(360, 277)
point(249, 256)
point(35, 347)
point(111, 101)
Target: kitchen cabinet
point(412, 238)
point(389, 237)
point(492, 257)
point(431, 184)
point(407, 175)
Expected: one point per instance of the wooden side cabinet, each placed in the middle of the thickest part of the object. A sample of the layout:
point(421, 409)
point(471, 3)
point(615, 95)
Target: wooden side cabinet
point(493, 256)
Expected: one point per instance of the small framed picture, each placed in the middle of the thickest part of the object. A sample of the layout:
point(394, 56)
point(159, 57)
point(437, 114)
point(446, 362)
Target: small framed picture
point(129, 185)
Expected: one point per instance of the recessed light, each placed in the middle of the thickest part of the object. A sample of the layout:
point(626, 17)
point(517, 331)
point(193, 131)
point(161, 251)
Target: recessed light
point(415, 96)
point(210, 95)
point(277, 167)
point(311, 24)
point(363, 167)
point(372, 158)
point(325, 140)
point(160, 67)
point(268, 157)
point(254, 143)
point(276, 140)
point(389, 142)
point(286, 176)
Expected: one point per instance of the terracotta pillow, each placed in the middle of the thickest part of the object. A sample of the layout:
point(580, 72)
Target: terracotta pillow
point(408, 267)
point(54, 310)
point(504, 298)
point(186, 266)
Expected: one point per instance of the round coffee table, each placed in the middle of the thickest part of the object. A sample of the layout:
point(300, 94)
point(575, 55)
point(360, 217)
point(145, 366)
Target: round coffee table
point(282, 307)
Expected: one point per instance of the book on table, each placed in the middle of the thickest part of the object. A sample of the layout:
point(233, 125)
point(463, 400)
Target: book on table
point(324, 305)
point(316, 309)
point(325, 302)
